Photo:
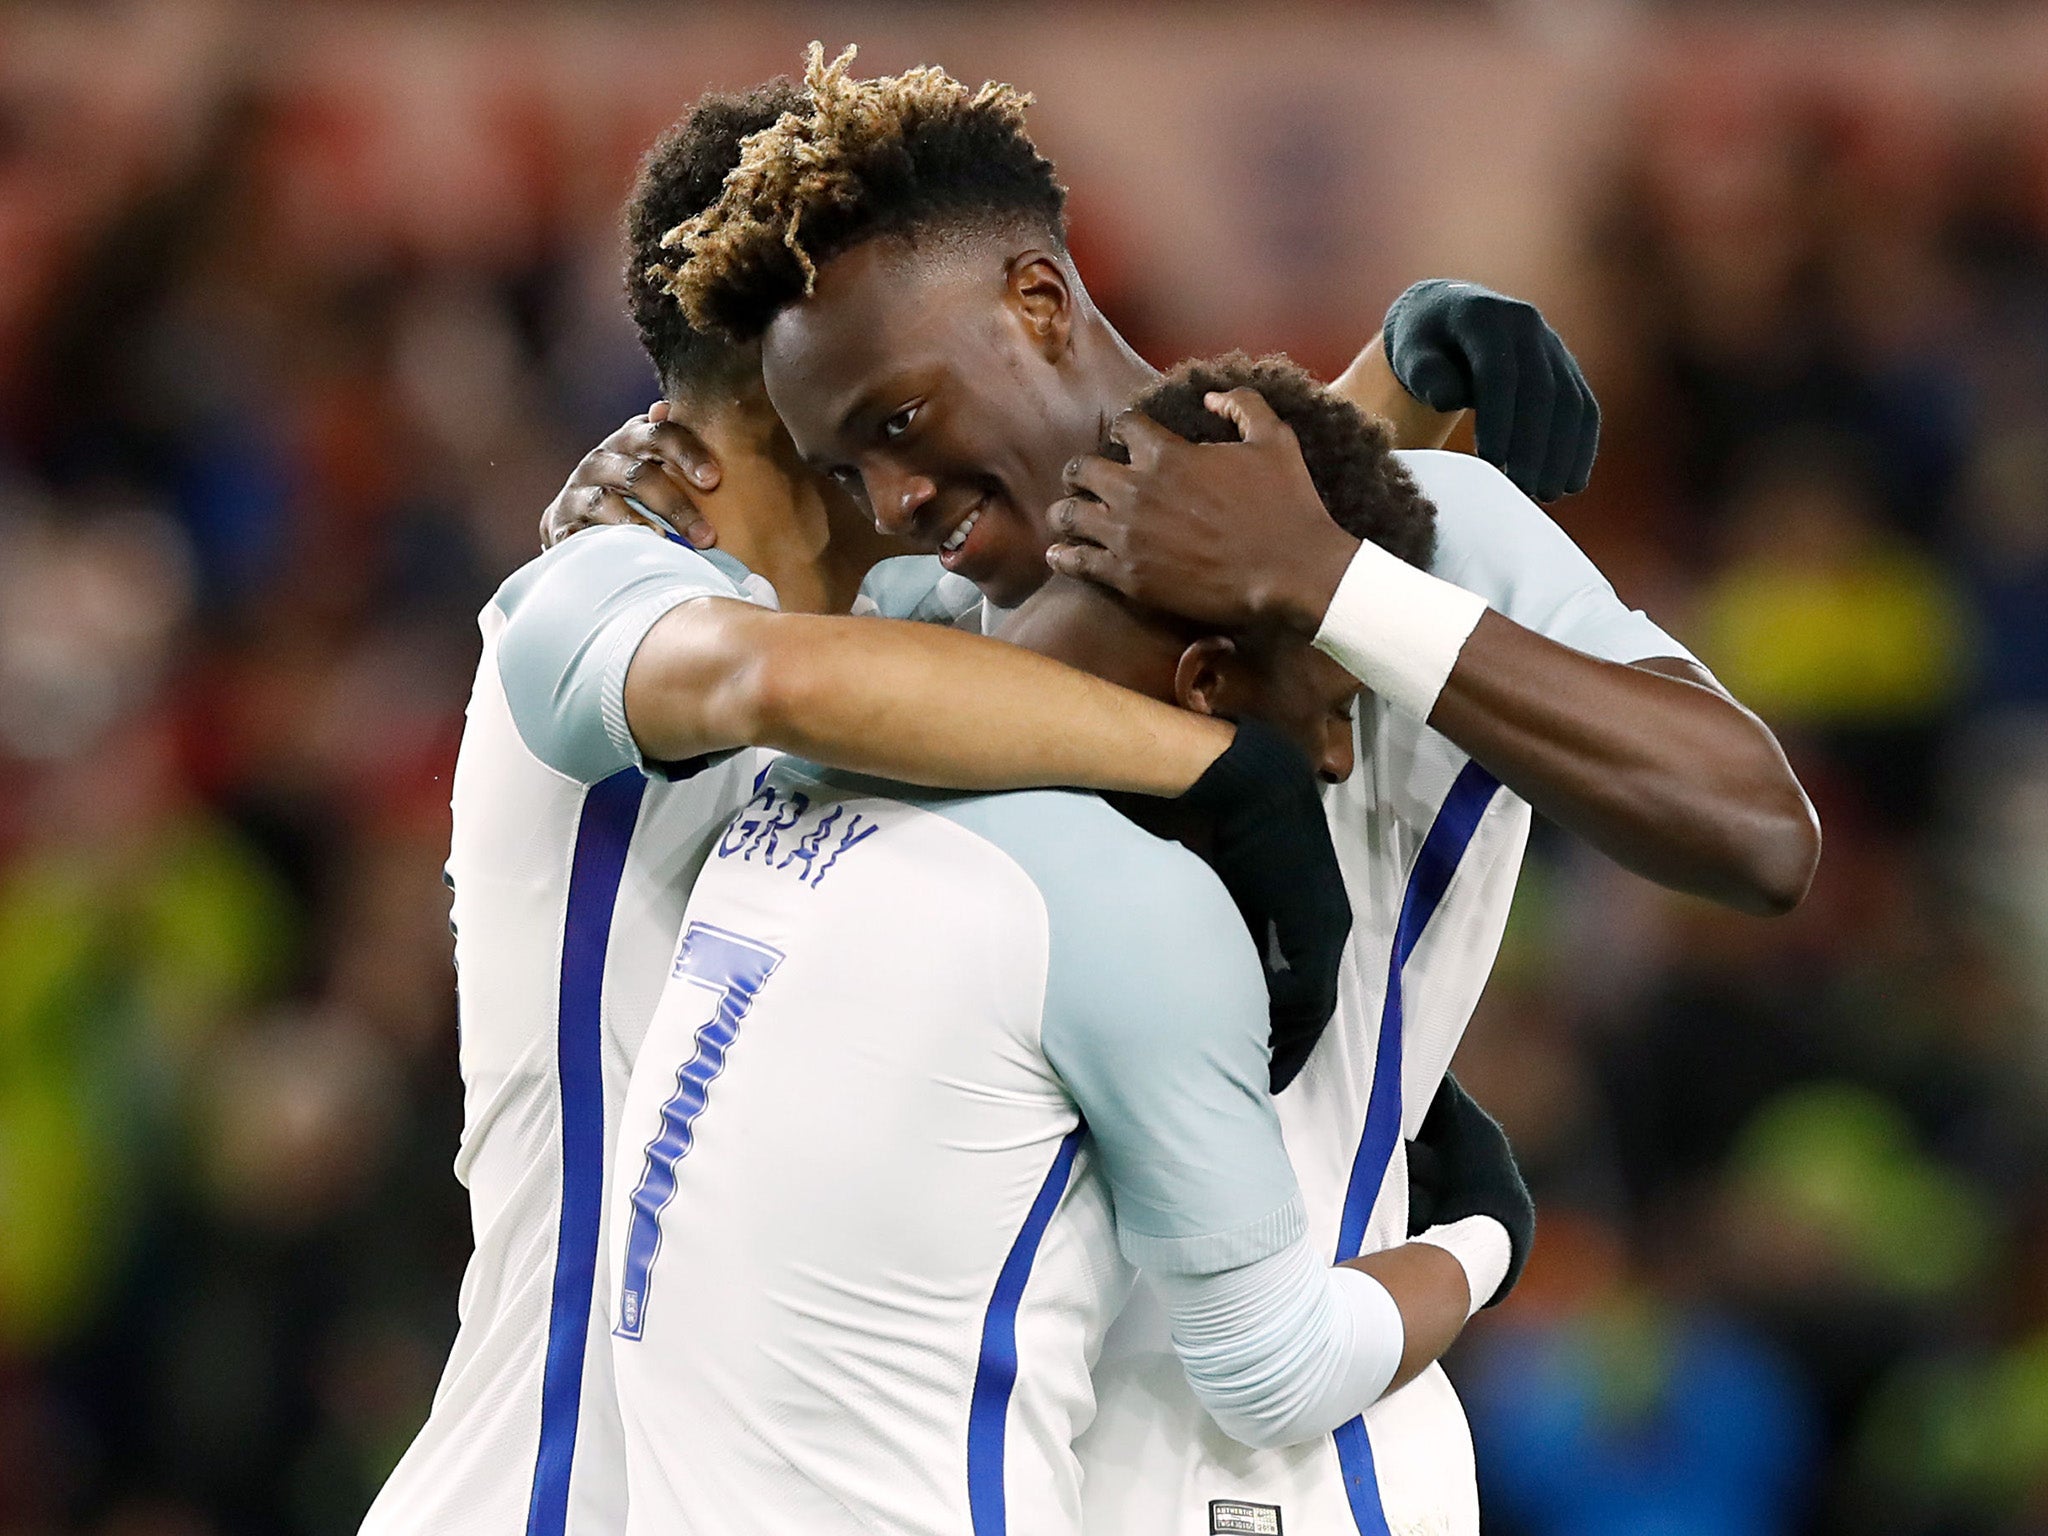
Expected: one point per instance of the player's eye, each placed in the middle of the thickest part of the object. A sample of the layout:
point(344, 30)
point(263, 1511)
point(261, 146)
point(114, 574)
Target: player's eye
point(899, 424)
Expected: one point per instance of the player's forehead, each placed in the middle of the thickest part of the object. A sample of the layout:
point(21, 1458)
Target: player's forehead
point(882, 317)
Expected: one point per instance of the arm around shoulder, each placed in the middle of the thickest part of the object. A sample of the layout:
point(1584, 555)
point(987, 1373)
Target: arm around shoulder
point(574, 621)
point(916, 702)
point(1156, 1021)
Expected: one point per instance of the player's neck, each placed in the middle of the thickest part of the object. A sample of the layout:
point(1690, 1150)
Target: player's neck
point(1112, 372)
point(813, 554)
point(781, 522)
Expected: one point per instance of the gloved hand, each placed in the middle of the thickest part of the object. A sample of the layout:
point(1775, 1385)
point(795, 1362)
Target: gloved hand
point(1271, 848)
point(1457, 346)
point(1459, 1165)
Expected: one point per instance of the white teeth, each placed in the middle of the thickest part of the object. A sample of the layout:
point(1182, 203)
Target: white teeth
point(959, 537)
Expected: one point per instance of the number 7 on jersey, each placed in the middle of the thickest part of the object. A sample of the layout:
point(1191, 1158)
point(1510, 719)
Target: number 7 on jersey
point(734, 968)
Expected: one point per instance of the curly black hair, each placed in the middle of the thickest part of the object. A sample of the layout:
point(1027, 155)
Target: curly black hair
point(679, 178)
point(1349, 455)
point(861, 159)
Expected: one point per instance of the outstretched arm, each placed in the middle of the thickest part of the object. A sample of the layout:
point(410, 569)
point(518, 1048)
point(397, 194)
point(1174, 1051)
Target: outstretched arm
point(622, 649)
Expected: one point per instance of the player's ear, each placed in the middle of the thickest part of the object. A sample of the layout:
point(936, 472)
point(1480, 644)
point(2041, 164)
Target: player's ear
point(1201, 679)
point(1037, 293)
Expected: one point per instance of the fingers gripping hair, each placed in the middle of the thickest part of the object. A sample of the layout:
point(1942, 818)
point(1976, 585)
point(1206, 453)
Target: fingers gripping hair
point(856, 159)
point(1349, 455)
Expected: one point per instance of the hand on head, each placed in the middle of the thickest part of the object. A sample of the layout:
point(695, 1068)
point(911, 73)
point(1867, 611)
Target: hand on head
point(1244, 489)
point(658, 462)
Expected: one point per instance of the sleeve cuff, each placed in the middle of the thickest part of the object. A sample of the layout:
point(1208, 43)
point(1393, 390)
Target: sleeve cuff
point(1211, 1252)
point(626, 633)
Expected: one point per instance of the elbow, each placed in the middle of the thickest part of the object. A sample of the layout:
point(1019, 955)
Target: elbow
point(1757, 821)
point(1787, 876)
point(1290, 1397)
point(1779, 852)
point(1261, 1432)
point(768, 695)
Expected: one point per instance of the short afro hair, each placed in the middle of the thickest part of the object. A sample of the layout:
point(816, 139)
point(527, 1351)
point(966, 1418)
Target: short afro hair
point(679, 178)
point(858, 160)
point(1350, 456)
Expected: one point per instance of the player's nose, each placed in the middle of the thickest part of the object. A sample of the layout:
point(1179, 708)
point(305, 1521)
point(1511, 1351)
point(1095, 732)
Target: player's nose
point(896, 497)
point(1335, 762)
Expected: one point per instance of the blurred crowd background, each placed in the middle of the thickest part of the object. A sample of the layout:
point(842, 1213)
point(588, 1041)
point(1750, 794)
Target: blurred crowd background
point(305, 313)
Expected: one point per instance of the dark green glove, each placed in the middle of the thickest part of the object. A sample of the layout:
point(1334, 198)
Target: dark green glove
point(1457, 346)
point(1459, 1165)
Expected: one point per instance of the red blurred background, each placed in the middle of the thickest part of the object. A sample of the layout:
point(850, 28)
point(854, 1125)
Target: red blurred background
point(306, 311)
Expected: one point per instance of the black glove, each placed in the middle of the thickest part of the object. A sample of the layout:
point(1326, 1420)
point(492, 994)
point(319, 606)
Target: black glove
point(1459, 1165)
point(1457, 346)
point(1271, 848)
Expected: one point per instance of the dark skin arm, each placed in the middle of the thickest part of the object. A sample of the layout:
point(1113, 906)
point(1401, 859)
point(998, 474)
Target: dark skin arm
point(1652, 763)
point(1429, 1287)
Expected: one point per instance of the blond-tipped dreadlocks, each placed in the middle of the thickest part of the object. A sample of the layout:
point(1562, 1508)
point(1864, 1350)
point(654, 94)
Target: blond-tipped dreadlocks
point(861, 159)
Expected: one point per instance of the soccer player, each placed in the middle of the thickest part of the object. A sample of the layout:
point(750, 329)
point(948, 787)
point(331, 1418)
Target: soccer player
point(926, 1064)
point(612, 668)
point(897, 250)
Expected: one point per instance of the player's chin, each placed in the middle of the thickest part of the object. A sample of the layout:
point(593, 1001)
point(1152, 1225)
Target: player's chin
point(1012, 586)
point(1008, 558)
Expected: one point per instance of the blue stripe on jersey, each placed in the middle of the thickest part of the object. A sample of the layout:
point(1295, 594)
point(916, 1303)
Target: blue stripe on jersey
point(605, 831)
point(996, 1374)
point(1449, 836)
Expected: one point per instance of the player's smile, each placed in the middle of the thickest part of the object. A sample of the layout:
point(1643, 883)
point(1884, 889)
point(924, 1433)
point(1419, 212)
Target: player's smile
point(984, 535)
point(965, 550)
point(956, 541)
point(947, 523)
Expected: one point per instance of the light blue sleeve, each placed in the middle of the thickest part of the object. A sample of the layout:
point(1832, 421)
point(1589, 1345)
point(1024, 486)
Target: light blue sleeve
point(1156, 1020)
point(572, 622)
point(1494, 541)
point(917, 587)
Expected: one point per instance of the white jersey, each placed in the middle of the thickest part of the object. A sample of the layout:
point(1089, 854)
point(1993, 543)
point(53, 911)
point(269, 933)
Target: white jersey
point(862, 1255)
point(570, 867)
point(1431, 846)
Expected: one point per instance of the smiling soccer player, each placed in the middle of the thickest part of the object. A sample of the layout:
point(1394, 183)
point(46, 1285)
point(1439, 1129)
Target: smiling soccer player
point(927, 1066)
point(898, 251)
point(611, 667)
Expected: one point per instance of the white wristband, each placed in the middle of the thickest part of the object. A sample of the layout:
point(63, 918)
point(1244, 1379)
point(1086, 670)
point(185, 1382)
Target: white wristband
point(1480, 1245)
point(1398, 630)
